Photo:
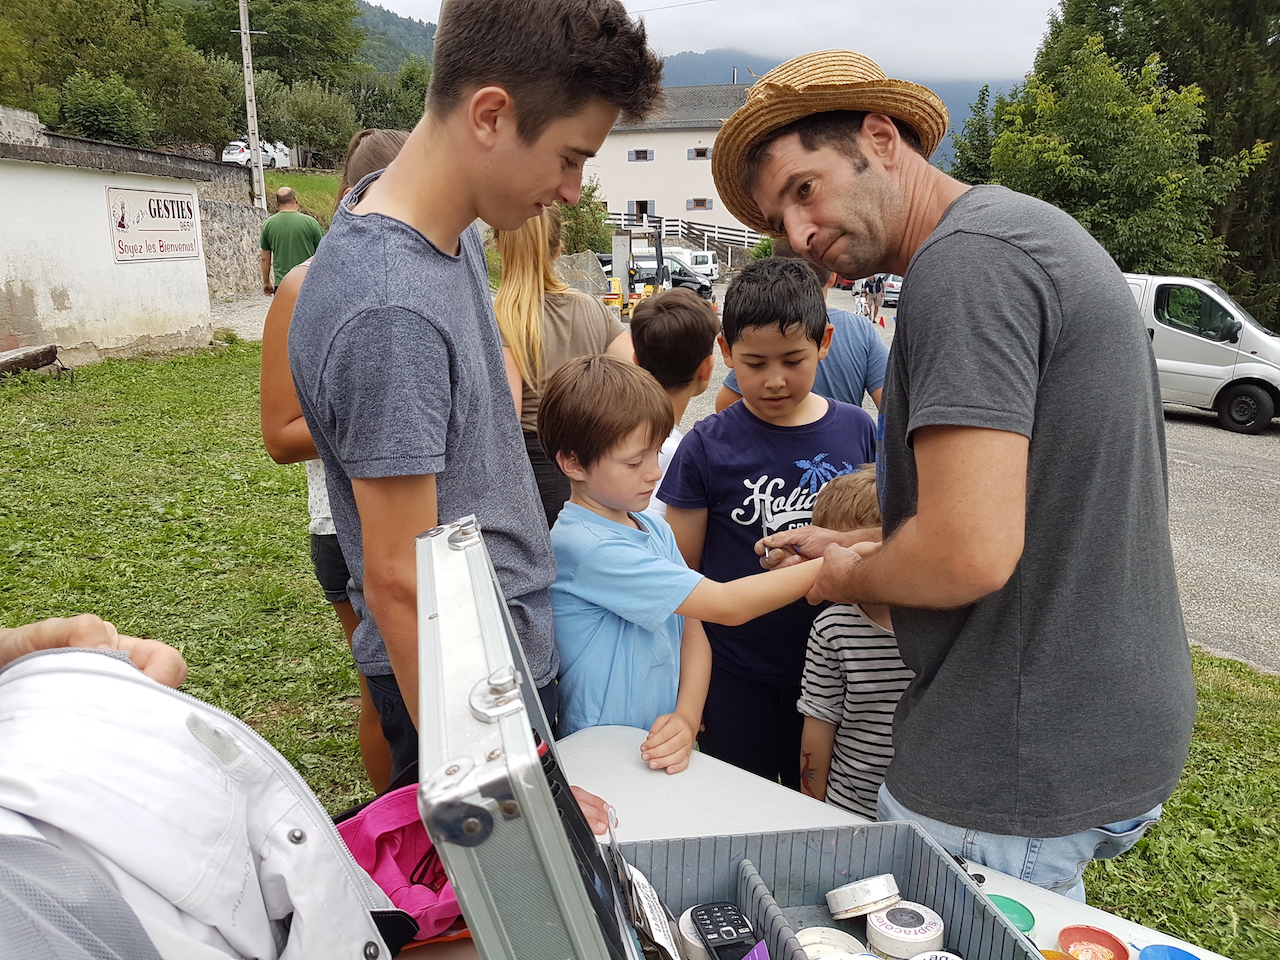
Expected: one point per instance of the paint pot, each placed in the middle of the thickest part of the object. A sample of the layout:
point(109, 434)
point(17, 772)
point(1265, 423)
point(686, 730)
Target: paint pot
point(937, 955)
point(1162, 951)
point(863, 896)
point(1084, 942)
point(1055, 955)
point(1023, 920)
point(904, 930)
point(690, 943)
point(828, 943)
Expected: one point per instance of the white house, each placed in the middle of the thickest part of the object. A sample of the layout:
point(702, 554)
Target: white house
point(662, 167)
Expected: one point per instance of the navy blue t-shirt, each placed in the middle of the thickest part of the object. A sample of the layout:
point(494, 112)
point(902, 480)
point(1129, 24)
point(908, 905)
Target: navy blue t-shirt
point(756, 478)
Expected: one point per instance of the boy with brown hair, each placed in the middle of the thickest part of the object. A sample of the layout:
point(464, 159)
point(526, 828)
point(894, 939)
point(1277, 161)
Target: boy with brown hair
point(394, 348)
point(627, 608)
point(750, 471)
point(674, 334)
point(853, 675)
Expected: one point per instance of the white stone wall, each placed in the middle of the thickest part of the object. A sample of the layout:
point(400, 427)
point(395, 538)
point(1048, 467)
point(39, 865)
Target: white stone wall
point(59, 282)
point(670, 180)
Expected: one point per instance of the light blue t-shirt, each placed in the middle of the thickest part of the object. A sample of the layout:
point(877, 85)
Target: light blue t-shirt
point(854, 365)
point(614, 598)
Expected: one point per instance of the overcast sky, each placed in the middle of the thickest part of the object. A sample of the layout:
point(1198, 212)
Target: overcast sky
point(910, 39)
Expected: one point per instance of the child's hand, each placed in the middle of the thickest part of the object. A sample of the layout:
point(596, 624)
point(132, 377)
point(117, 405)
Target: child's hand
point(669, 743)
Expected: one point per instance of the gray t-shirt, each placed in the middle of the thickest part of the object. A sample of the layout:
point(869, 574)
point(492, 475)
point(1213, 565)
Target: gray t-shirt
point(1064, 700)
point(398, 365)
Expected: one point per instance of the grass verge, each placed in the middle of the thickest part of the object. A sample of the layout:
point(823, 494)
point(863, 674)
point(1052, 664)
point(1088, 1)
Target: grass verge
point(142, 493)
point(317, 190)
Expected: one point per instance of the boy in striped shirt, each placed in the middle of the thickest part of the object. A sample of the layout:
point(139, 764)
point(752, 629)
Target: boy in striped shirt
point(853, 675)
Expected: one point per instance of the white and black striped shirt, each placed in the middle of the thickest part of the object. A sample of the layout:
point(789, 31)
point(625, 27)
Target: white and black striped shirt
point(853, 678)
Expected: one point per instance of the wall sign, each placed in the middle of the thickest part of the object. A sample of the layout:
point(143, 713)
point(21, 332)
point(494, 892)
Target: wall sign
point(153, 224)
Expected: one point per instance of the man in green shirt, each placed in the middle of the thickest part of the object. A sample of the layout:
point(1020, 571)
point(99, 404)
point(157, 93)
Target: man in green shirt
point(288, 238)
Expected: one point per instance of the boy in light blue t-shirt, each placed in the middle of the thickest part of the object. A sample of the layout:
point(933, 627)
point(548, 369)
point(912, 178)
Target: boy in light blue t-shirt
point(627, 609)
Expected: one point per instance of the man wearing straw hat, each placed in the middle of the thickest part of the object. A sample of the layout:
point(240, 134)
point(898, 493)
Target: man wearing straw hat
point(1025, 550)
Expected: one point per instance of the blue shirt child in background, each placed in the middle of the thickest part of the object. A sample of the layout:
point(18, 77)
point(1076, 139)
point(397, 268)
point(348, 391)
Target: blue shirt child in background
point(752, 470)
point(627, 609)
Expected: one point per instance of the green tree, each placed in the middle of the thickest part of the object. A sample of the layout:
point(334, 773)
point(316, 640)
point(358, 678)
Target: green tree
point(320, 121)
point(1231, 51)
point(1120, 152)
point(270, 93)
point(586, 223)
point(972, 162)
point(302, 39)
point(391, 101)
point(138, 41)
point(106, 110)
point(763, 249)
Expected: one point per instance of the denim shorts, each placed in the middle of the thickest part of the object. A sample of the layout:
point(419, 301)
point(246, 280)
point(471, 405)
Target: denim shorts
point(1055, 863)
point(331, 566)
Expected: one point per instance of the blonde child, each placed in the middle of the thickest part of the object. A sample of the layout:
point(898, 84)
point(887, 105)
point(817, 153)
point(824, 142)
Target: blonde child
point(853, 675)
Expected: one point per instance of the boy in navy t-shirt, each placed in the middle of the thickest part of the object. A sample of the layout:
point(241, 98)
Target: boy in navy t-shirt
point(752, 470)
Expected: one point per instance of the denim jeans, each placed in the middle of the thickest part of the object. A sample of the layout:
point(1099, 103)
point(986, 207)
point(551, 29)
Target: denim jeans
point(1055, 863)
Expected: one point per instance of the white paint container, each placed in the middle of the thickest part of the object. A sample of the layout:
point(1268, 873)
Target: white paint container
point(904, 930)
point(828, 943)
point(690, 943)
point(863, 896)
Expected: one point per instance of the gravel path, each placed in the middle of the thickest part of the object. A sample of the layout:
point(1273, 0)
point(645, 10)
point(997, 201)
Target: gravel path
point(244, 316)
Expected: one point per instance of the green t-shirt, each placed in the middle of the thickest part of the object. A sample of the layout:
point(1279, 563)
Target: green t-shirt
point(292, 237)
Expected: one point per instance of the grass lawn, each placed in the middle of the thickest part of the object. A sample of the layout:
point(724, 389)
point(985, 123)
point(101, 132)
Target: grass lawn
point(142, 493)
point(317, 190)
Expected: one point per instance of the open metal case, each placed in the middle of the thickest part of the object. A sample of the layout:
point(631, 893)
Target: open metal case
point(527, 870)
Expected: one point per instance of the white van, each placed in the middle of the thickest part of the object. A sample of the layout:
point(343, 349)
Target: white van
point(706, 262)
point(1211, 353)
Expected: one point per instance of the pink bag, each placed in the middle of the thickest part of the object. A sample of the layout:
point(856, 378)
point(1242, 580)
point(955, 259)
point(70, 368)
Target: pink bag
point(388, 839)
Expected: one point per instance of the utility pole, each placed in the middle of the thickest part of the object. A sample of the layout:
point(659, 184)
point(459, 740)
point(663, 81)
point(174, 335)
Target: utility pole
point(251, 107)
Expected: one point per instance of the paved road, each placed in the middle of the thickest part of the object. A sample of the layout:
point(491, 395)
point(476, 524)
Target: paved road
point(1224, 517)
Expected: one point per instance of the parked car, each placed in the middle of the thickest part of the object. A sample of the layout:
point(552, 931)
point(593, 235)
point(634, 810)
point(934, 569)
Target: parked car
point(273, 154)
point(677, 274)
point(606, 263)
point(844, 283)
point(892, 287)
point(1210, 352)
point(706, 262)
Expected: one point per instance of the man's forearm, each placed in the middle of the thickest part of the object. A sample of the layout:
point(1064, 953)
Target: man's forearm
point(910, 569)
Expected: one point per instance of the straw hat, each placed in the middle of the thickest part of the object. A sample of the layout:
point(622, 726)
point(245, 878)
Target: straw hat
point(816, 83)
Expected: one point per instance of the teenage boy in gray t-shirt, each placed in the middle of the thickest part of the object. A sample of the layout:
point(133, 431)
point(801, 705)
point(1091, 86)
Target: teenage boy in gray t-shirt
point(394, 348)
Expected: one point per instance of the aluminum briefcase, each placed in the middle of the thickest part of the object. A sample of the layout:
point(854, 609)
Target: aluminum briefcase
point(527, 870)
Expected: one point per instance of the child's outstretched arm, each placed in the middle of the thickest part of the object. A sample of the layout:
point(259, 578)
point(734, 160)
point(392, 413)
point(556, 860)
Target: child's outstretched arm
point(734, 603)
point(671, 737)
point(816, 742)
point(746, 598)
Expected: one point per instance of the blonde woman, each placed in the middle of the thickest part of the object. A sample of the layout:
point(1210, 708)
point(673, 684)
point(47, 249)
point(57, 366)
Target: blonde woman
point(544, 324)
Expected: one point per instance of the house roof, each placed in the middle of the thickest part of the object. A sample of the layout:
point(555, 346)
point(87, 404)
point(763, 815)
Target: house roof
point(701, 107)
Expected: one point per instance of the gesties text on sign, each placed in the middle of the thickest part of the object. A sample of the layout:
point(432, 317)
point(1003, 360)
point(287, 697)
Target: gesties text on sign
point(153, 225)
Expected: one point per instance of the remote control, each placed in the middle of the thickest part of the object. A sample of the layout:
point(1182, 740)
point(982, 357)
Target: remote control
point(725, 932)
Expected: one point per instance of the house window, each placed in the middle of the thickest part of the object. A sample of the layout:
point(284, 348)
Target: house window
point(641, 208)
point(699, 153)
point(699, 203)
point(639, 155)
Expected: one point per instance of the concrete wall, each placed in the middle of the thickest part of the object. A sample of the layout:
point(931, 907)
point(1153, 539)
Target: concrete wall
point(671, 179)
point(20, 126)
point(228, 220)
point(231, 248)
point(59, 279)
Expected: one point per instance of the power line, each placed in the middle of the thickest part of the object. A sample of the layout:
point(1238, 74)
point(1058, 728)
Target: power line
point(672, 6)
